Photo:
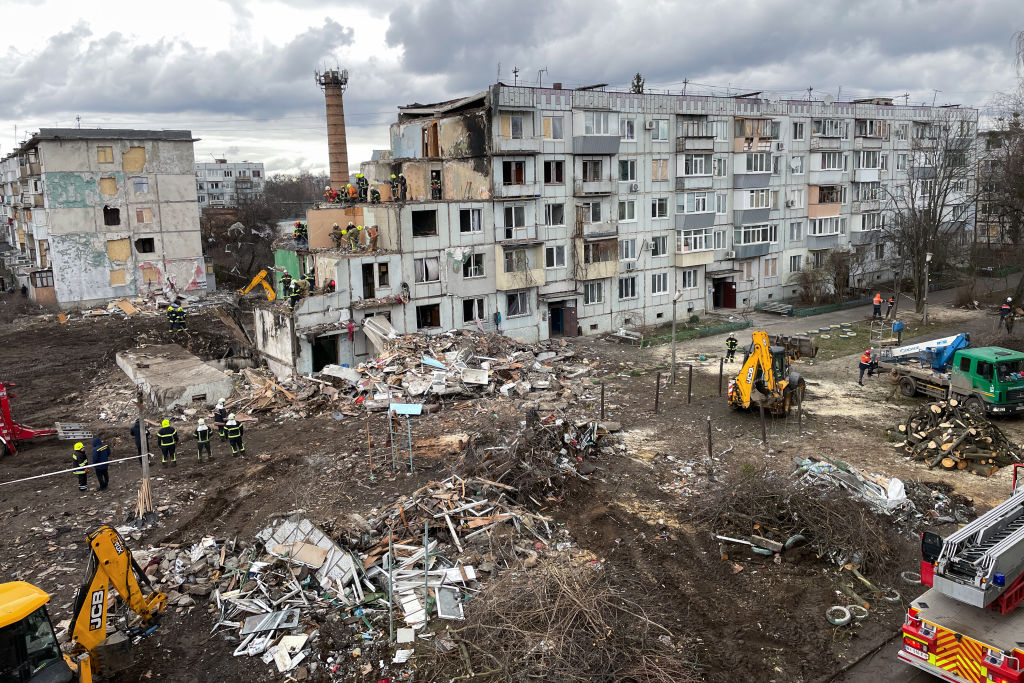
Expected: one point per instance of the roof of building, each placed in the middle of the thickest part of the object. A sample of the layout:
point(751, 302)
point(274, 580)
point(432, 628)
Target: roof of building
point(449, 106)
point(112, 134)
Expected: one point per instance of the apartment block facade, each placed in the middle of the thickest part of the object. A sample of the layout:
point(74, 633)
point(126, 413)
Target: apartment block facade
point(222, 184)
point(95, 214)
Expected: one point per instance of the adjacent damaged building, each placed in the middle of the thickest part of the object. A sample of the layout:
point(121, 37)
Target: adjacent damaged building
point(97, 214)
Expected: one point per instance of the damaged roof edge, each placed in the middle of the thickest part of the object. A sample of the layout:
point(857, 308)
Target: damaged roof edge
point(101, 134)
point(416, 109)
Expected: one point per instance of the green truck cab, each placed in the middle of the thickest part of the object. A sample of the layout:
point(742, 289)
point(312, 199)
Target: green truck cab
point(989, 378)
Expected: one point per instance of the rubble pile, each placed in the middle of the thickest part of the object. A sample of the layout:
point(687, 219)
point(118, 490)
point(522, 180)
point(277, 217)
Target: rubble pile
point(946, 434)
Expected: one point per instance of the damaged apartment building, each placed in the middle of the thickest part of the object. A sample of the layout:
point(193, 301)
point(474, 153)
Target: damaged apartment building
point(98, 214)
point(541, 212)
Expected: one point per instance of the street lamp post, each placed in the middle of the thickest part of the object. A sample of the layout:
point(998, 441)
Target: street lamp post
point(675, 300)
point(927, 262)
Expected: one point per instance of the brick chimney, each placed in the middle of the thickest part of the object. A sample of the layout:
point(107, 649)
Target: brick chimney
point(333, 83)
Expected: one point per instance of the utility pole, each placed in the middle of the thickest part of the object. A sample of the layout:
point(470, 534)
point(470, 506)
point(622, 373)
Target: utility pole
point(675, 300)
point(927, 263)
point(515, 75)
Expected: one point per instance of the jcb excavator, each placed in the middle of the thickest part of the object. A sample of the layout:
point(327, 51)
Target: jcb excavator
point(766, 370)
point(260, 279)
point(29, 652)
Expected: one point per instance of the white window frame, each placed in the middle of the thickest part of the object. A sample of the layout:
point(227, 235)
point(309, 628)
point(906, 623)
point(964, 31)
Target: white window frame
point(659, 207)
point(474, 266)
point(659, 245)
point(629, 165)
point(627, 250)
point(759, 199)
point(659, 133)
point(421, 268)
point(721, 203)
point(832, 225)
point(476, 221)
point(796, 231)
point(796, 263)
point(833, 161)
point(687, 279)
point(799, 130)
point(548, 213)
point(479, 309)
point(797, 164)
point(659, 284)
point(630, 286)
point(659, 163)
point(555, 122)
point(554, 257)
point(593, 293)
point(758, 162)
point(696, 202)
point(627, 210)
point(759, 233)
point(720, 166)
point(698, 239)
point(770, 268)
point(627, 128)
point(697, 164)
point(523, 308)
point(596, 122)
point(588, 211)
point(518, 259)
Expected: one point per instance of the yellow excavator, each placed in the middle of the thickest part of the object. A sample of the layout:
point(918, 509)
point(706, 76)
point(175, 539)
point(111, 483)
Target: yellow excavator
point(766, 370)
point(29, 652)
point(260, 279)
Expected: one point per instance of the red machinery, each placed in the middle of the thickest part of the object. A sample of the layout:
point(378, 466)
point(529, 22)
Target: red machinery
point(10, 431)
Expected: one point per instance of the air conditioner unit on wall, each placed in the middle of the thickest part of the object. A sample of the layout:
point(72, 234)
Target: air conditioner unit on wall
point(635, 187)
point(630, 265)
point(790, 203)
point(649, 125)
point(730, 254)
point(779, 146)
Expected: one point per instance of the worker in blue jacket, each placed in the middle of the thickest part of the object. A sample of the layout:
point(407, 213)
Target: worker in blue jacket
point(100, 454)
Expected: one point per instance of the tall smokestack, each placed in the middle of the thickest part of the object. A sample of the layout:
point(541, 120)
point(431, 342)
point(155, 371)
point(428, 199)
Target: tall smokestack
point(333, 83)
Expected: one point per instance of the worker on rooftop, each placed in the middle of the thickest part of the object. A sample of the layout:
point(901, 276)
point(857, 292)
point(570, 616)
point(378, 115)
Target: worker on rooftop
point(374, 195)
point(336, 235)
point(403, 187)
point(294, 294)
point(394, 187)
point(300, 234)
point(373, 233)
point(331, 195)
point(363, 186)
point(286, 282)
point(352, 193)
point(353, 238)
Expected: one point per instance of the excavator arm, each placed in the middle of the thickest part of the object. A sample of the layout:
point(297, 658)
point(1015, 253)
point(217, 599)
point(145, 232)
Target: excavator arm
point(111, 567)
point(756, 373)
point(260, 279)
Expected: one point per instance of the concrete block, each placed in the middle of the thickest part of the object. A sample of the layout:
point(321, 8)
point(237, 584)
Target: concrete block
point(171, 376)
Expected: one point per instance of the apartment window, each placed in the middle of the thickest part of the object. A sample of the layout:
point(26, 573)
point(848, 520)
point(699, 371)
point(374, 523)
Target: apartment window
point(627, 129)
point(833, 161)
point(552, 127)
point(818, 258)
point(721, 203)
point(513, 172)
point(598, 252)
point(659, 207)
point(140, 185)
point(795, 263)
point(720, 167)
point(424, 223)
point(872, 221)
point(591, 170)
point(383, 275)
point(627, 210)
point(554, 214)
point(517, 126)
point(902, 129)
point(879, 251)
point(145, 245)
point(828, 226)
point(202, 199)
point(143, 215)
point(214, 186)
point(796, 164)
point(756, 234)
point(105, 155)
point(797, 198)
point(660, 130)
point(516, 261)
point(659, 245)
point(659, 169)
point(474, 266)
point(627, 287)
point(798, 130)
point(42, 278)
point(776, 159)
point(757, 128)
point(758, 162)
point(199, 186)
point(695, 202)
point(595, 123)
point(515, 217)
point(627, 169)
point(426, 269)
point(926, 188)
point(470, 220)
point(111, 216)
point(871, 128)
point(796, 230)
point(748, 270)
point(868, 159)
point(867, 191)
point(554, 257)
point(959, 186)
point(428, 315)
point(627, 250)
point(517, 304)
point(832, 194)
point(659, 283)
point(959, 212)
point(257, 174)
point(554, 172)
point(771, 267)
point(591, 212)
point(593, 293)
point(831, 128)
point(693, 240)
point(696, 164)
point(227, 174)
point(759, 199)
point(472, 309)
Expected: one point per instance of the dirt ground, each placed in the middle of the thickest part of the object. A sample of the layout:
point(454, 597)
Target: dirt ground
point(736, 617)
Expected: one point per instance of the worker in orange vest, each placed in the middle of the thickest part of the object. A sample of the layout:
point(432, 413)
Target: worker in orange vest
point(891, 302)
point(353, 193)
point(877, 312)
point(1004, 311)
point(866, 363)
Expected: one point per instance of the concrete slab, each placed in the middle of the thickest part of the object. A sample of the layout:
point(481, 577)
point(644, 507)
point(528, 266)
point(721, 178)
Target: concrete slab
point(171, 376)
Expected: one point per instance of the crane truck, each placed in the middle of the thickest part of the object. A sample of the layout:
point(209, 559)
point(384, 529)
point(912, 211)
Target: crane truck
point(987, 379)
point(966, 628)
point(29, 652)
point(766, 369)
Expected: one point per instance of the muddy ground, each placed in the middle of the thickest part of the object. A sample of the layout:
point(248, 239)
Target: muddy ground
point(732, 617)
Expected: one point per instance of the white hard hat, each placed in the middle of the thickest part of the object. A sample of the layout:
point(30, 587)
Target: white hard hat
point(220, 404)
point(1008, 299)
point(231, 416)
point(202, 421)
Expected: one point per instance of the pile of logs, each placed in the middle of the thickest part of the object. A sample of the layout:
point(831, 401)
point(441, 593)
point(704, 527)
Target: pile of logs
point(946, 435)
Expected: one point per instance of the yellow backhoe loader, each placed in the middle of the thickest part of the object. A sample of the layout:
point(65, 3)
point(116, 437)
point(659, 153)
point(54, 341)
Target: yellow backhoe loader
point(766, 378)
point(29, 652)
point(260, 279)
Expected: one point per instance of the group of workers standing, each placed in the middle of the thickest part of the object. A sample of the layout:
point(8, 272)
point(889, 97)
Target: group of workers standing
point(355, 236)
point(361, 192)
point(225, 424)
point(176, 317)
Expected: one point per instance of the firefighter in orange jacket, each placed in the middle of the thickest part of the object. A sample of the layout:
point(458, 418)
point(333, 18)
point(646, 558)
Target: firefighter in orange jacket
point(877, 312)
point(866, 363)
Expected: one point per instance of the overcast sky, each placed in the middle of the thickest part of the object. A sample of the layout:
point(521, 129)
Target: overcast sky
point(239, 73)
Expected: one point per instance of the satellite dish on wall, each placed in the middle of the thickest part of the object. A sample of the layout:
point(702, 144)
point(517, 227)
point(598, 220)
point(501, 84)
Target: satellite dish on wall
point(829, 100)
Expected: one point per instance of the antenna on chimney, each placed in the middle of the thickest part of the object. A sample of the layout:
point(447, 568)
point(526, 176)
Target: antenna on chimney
point(540, 78)
point(334, 82)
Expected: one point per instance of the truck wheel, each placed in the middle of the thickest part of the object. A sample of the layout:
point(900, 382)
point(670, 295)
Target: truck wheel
point(908, 387)
point(974, 405)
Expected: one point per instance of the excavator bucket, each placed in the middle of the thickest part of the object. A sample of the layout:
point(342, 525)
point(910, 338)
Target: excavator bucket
point(796, 345)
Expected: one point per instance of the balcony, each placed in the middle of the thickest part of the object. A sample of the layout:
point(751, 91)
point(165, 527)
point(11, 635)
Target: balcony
point(526, 145)
point(527, 233)
point(861, 142)
point(694, 182)
point(690, 259)
point(599, 271)
point(741, 145)
point(585, 188)
point(816, 242)
point(859, 238)
point(866, 205)
point(595, 145)
point(865, 175)
point(532, 276)
point(827, 177)
point(825, 144)
point(502, 191)
point(696, 144)
point(601, 228)
point(751, 250)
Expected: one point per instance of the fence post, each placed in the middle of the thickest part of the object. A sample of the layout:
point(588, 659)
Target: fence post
point(721, 371)
point(602, 400)
point(764, 431)
point(799, 413)
point(689, 385)
point(657, 392)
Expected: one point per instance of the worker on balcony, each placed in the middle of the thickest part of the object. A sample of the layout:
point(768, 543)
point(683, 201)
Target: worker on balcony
point(866, 364)
point(361, 241)
point(168, 439)
point(81, 461)
point(363, 186)
point(876, 312)
point(1004, 311)
point(435, 188)
point(202, 435)
point(329, 287)
point(336, 235)
point(403, 187)
point(731, 344)
point(373, 233)
point(394, 187)
point(235, 431)
point(286, 283)
point(331, 195)
point(300, 234)
point(220, 416)
point(374, 195)
point(352, 193)
point(294, 294)
point(100, 456)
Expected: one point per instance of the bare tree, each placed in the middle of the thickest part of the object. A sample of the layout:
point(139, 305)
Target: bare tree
point(931, 207)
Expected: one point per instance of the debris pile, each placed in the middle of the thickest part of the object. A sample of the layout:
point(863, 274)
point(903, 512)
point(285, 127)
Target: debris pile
point(948, 435)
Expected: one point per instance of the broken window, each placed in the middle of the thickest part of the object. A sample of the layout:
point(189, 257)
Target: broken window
point(42, 278)
point(144, 215)
point(426, 269)
point(134, 160)
point(517, 303)
point(553, 127)
point(383, 277)
point(474, 266)
point(513, 172)
point(118, 277)
point(119, 250)
point(111, 216)
point(554, 214)
point(516, 261)
point(472, 309)
point(515, 217)
point(424, 223)
point(553, 172)
point(140, 185)
point(470, 220)
point(428, 315)
point(150, 274)
point(105, 155)
point(108, 186)
point(145, 245)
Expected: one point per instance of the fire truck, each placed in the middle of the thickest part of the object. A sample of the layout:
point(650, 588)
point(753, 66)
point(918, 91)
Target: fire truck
point(966, 627)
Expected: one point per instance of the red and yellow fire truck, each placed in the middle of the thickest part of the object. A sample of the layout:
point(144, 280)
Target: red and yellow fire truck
point(965, 628)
